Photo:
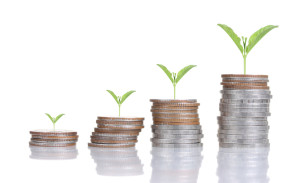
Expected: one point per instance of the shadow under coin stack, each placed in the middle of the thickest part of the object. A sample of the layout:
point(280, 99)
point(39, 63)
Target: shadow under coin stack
point(176, 123)
point(244, 110)
point(51, 138)
point(117, 161)
point(116, 132)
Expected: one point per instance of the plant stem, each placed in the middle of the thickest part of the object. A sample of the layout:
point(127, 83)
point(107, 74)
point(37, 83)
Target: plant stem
point(174, 85)
point(119, 110)
point(245, 64)
point(53, 126)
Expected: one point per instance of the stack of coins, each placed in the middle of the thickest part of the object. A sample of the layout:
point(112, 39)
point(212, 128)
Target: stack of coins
point(116, 132)
point(117, 161)
point(53, 153)
point(175, 165)
point(51, 138)
point(176, 123)
point(244, 110)
point(245, 165)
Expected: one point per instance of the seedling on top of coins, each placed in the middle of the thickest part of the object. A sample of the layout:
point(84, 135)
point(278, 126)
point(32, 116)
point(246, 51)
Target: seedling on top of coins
point(54, 119)
point(175, 77)
point(246, 45)
point(120, 99)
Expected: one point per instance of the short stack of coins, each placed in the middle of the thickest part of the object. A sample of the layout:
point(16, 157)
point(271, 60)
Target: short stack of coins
point(244, 111)
point(53, 138)
point(117, 161)
point(176, 123)
point(116, 132)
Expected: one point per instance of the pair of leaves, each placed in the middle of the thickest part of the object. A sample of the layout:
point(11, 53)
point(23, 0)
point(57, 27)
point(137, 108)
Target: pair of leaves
point(119, 99)
point(175, 78)
point(54, 119)
point(253, 40)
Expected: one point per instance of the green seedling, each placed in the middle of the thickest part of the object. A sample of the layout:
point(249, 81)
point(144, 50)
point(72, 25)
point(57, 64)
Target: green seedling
point(54, 119)
point(120, 99)
point(175, 77)
point(246, 47)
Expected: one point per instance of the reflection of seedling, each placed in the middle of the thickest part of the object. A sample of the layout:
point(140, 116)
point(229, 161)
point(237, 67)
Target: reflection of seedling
point(253, 40)
point(54, 119)
point(120, 99)
point(175, 77)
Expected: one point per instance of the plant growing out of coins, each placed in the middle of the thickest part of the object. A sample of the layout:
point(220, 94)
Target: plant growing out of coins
point(246, 46)
point(120, 99)
point(175, 77)
point(54, 119)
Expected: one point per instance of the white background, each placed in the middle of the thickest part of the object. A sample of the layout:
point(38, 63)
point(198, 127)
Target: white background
point(60, 56)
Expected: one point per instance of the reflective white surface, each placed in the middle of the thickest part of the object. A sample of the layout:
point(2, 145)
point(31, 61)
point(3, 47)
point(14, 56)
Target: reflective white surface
point(53, 153)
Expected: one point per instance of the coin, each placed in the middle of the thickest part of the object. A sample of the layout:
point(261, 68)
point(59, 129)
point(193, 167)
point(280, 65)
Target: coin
point(54, 137)
point(176, 145)
point(244, 123)
point(177, 136)
point(246, 114)
point(261, 136)
point(246, 132)
point(241, 119)
point(176, 123)
point(111, 145)
point(120, 122)
point(113, 138)
point(112, 141)
point(113, 135)
point(120, 118)
point(51, 144)
point(175, 115)
point(232, 127)
point(243, 76)
point(245, 101)
point(107, 130)
point(176, 119)
point(53, 133)
point(187, 132)
point(173, 101)
point(175, 141)
point(245, 96)
point(120, 127)
point(244, 141)
point(53, 140)
point(174, 127)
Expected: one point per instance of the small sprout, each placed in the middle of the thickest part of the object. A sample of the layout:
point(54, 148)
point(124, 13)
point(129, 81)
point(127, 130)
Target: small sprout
point(54, 119)
point(253, 40)
point(175, 77)
point(120, 99)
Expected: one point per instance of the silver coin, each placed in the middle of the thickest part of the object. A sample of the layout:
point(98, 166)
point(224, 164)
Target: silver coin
point(244, 141)
point(228, 127)
point(249, 105)
point(241, 119)
point(246, 92)
point(177, 145)
point(265, 136)
point(114, 138)
point(112, 135)
point(245, 96)
point(243, 123)
point(246, 114)
point(176, 127)
point(245, 101)
point(177, 136)
point(186, 132)
point(248, 110)
point(175, 118)
point(227, 145)
point(175, 141)
point(110, 145)
point(243, 132)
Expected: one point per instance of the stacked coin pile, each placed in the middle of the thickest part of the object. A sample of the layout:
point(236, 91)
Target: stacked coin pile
point(245, 165)
point(176, 123)
point(53, 153)
point(116, 132)
point(117, 161)
point(244, 110)
point(175, 165)
point(51, 138)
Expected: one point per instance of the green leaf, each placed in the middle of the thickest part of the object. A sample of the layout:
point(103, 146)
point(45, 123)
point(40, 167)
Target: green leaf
point(233, 36)
point(114, 96)
point(52, 119)
point(124, 97)
point(168, 73)
point(58, 117)
point(183, 71)
point(258, 35)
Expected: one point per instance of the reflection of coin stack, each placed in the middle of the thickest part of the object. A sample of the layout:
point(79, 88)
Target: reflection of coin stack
point(117, 161)
point(244, 110)
point(50, 138)
point(243, 165)
point(53, 153)
point(116, 132)
point(176, 123)
point(175, 165)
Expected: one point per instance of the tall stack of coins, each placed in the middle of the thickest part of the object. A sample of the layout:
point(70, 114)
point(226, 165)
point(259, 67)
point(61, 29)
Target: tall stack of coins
point(176, 123)
point(245, 165)
point(50, 138)
point(244, 110)
point(176, 165)
point(116, 132)
point(117, 161)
